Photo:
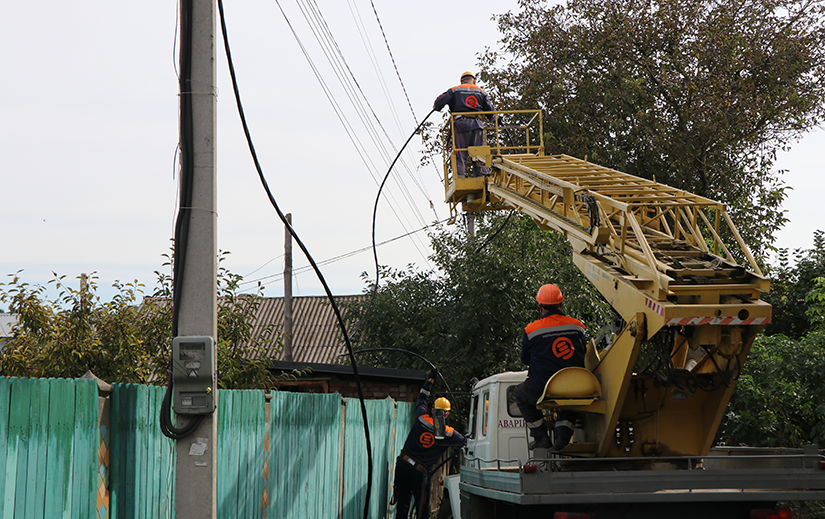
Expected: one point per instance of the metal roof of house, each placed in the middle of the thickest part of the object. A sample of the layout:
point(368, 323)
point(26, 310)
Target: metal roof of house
point(7, 322)
point(316, 335)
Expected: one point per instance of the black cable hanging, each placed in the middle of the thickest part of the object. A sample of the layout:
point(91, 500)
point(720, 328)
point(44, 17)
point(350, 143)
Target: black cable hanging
point(492, 236)
point(187, 152)
point(305, 251)
point(374, 218)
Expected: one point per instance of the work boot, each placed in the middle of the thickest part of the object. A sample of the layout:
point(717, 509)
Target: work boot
point(542, 442)
point(563, 435)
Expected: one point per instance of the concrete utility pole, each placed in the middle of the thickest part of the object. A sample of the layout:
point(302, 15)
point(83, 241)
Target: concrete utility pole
point(288, 291)
point(471, 224)
point(196, 488)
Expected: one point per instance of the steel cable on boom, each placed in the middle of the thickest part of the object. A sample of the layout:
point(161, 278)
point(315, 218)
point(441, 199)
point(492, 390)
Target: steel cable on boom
point(306, 253)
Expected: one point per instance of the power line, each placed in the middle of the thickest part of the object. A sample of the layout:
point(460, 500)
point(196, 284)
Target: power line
point(326, 47)
point(305, 268)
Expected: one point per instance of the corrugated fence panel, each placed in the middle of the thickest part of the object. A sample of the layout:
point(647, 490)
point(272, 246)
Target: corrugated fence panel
point(305, 446)
point(404, 417)
point(49, 441)
point(381, 415)
point(5, 396)
point(141, 473)
point(241, 428)
point(48, 445)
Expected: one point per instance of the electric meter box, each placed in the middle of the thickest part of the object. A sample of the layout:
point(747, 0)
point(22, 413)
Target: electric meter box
point(194, 376)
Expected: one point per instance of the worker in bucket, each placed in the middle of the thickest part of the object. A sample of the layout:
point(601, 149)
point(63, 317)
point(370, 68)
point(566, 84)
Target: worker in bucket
point(424, 446)
point(469, 129)
point(552, 343)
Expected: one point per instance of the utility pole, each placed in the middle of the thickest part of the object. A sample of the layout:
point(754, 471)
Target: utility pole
point(471, 224)
point(195, 478)
point(288, 290)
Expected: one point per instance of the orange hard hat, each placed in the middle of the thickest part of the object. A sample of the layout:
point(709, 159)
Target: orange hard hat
point(549, 295)
point(467, 74)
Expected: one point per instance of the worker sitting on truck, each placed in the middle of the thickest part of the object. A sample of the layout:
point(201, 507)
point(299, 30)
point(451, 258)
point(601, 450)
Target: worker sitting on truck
point(552, 343)
point(421, 452)
point(469, 129)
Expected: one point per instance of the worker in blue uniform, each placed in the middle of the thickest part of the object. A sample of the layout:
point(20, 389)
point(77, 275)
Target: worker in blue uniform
point(463, 100)
point(554, 342)
point(421, 452)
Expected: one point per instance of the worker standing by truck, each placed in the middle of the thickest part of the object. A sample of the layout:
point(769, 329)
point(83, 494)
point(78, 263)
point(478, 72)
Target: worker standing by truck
point(469, 129)
point(421, 452)
point(552, 343)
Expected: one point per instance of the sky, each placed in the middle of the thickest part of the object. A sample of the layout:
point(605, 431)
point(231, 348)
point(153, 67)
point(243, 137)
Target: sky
point(89, 129)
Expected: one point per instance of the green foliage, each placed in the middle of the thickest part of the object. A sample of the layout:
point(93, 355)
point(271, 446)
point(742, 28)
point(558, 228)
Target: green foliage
point(816, 302)
point(128, 339)
point(697, 94)
point(780, 398)
point(468, 313)
point(791, 283)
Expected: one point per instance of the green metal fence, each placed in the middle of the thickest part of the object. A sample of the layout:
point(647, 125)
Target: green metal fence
point(142, 459)
point(68, 453)
point(48, 446)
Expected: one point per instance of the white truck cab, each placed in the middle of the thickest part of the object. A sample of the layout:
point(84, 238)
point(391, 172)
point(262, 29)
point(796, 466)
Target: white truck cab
point(497, 432)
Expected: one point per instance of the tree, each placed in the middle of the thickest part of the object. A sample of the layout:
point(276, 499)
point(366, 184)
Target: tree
point(467, 314)
point(127, 339)
point(698, 94)
point(791, 281)
point(780, 398)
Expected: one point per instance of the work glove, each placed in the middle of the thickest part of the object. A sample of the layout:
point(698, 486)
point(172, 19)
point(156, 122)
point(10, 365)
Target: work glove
point(433, 374)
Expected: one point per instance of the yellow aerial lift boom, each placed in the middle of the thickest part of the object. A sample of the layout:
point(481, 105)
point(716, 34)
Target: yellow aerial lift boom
point(656, 253)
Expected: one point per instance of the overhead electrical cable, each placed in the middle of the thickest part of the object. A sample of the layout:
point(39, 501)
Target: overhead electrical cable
point(395, 66)
point(335, 57)
point(301, 270)
point(343, 61)
point(306, 253)
point(375, 218)
point(401, 81)
point(341, 117)
point(415, 174)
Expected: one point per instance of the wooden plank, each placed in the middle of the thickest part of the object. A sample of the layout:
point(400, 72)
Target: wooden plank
point(227, 456)
point(61, 429)
point(167, 465)
point(19, 428)
point(142, 440)
point(36, 471)
point(5, 408)
point(84, 448)
point(248, 449)
point(154, 454)
point(128, 485)
point(116, 448)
